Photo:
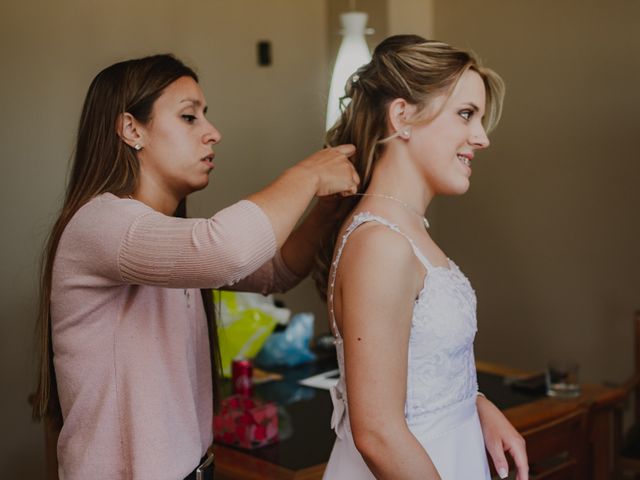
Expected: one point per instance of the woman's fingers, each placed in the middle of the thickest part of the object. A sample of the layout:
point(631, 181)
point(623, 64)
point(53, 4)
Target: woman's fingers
point(336, 173)
point(518, 452)
point(500, 436)
point(346, 149)
point(499, 460)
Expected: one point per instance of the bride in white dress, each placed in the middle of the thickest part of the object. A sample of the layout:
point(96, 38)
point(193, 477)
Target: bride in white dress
point(403, 314)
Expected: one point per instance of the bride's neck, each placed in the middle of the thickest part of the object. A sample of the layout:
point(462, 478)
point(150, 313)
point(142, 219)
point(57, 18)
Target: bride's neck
point(399, 178)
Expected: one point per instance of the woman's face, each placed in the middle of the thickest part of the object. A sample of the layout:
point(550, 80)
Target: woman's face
point(444, 147)
point(177, 153)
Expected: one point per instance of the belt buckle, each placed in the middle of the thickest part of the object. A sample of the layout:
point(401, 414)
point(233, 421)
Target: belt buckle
point(208, 462)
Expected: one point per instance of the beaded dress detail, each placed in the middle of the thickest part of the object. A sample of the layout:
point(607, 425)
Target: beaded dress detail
point(441, 377)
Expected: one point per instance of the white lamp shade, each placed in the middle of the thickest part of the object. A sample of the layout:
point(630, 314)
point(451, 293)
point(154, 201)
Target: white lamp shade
point(353, 53)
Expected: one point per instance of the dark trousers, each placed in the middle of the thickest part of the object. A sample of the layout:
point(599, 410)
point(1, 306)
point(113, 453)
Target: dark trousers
point(207, 471)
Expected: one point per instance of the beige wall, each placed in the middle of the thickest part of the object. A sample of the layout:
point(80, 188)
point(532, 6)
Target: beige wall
point(549, 231)
point(411, 16)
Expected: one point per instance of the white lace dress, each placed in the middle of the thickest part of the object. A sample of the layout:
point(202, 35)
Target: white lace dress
point(441, 380)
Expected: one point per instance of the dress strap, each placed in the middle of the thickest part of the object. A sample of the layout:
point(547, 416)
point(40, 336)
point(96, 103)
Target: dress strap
point(358, 220)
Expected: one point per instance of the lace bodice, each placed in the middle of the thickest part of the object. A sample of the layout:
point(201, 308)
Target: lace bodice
point(441, 365)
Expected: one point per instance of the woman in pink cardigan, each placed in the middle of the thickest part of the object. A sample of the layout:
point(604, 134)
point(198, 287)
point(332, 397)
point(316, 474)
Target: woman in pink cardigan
point(129, 359)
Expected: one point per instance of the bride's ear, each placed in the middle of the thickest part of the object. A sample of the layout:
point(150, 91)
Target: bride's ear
point(399, 113)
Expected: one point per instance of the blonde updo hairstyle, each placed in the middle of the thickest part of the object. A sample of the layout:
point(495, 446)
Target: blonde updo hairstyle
point(416, 70)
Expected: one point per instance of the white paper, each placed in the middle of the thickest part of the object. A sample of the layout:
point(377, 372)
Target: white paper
point(324, 380)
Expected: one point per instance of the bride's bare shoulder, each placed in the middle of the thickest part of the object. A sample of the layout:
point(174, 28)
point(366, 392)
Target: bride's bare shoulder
point(375, 249)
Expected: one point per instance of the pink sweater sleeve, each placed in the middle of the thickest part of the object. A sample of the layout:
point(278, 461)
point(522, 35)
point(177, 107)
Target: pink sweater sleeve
point(273, 276)
point(197, 253)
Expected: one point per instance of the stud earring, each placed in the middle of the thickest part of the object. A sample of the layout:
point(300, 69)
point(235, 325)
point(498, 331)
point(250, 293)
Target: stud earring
point(406, 133)
point(137, 147)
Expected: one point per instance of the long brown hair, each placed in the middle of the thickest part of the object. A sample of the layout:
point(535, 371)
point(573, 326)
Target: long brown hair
point(402, 66)
point(102, 162)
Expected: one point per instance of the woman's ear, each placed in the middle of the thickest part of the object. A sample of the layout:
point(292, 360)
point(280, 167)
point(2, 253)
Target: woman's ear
point(128, 130)
point(399, 114)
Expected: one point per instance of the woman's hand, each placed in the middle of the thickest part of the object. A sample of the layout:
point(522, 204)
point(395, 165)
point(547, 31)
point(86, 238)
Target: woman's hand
point(333, 171)
point(500, 437)
point(326, 172)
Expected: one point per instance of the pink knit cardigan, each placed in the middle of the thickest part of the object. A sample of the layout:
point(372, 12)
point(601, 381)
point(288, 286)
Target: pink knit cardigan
point(130, 341)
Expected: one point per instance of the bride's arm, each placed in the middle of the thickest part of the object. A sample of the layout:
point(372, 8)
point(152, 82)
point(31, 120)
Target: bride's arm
point(378, 279)
point(500, 437)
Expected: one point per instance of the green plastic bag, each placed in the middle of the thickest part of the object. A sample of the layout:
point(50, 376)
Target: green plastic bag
point(245, 322)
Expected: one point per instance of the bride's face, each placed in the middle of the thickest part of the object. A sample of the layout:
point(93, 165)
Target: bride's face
point(444, 147)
